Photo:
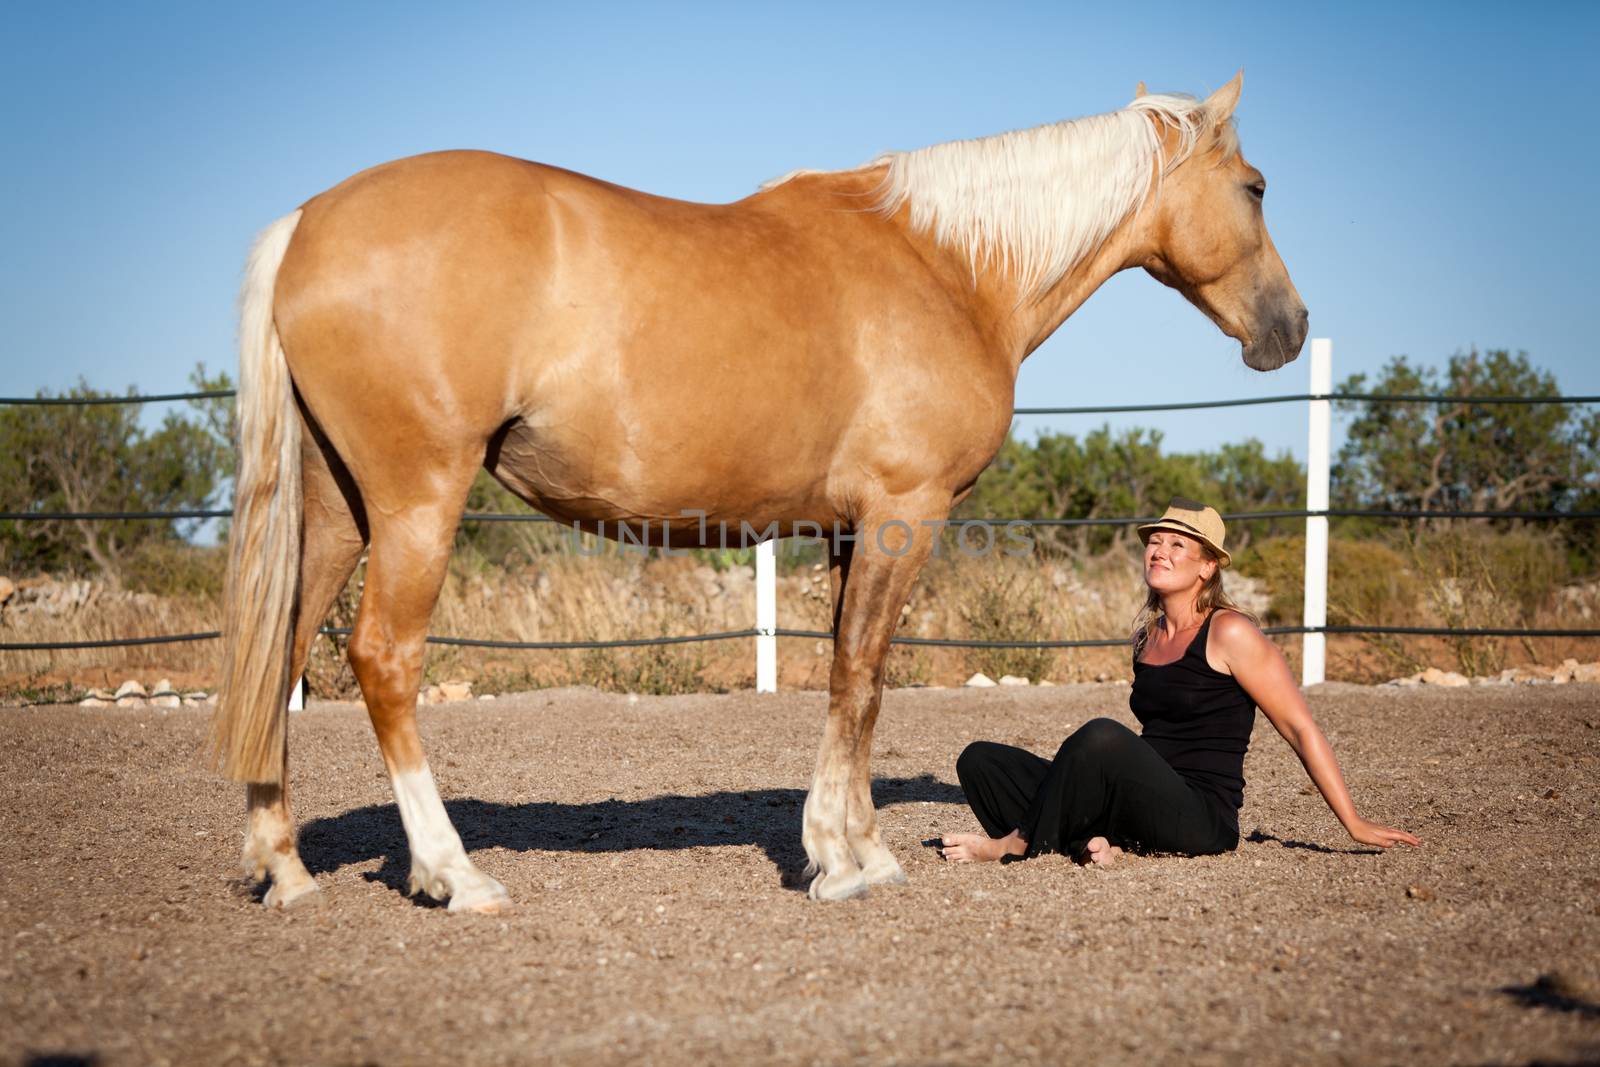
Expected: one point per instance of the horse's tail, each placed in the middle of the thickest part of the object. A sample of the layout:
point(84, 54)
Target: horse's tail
point(250, 729)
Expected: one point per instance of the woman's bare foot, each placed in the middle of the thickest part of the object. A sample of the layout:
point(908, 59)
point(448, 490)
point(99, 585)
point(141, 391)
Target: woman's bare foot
point(977, 848)
point(1100, 852)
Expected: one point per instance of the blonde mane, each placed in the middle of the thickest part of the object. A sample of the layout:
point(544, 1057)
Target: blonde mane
point(1035, 203)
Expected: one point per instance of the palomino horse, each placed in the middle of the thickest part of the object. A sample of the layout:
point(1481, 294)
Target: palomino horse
point(838, 350)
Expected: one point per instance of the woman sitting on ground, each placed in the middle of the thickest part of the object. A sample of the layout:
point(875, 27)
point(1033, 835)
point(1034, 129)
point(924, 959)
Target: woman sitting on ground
point(1200, 669)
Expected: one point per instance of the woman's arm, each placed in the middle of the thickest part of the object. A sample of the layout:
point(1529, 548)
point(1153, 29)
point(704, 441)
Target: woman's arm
point(1260, 668)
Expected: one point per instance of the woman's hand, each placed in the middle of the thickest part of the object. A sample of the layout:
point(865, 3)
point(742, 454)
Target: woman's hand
point(1371, 833)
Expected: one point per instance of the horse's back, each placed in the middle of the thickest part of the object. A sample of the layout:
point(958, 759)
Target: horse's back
point(466, 290)
point(503, 240)
point(487, 253)
point(435, 181)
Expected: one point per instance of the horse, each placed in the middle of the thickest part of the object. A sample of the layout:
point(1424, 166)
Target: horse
point(837, 350)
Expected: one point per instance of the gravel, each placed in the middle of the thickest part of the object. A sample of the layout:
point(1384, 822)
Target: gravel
point(651, 846)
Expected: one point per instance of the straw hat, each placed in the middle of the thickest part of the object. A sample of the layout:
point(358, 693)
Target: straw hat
point(1192, 519)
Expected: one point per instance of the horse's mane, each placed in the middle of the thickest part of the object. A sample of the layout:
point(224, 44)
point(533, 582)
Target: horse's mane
point(1036, 202)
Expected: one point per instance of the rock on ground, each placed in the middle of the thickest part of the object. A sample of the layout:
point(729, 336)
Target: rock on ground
point(1569, 671)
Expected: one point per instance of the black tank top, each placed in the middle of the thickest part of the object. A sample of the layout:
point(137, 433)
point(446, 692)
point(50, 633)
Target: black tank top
point(1199, 720)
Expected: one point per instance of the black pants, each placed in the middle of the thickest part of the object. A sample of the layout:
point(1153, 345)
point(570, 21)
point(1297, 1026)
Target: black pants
point(1105, 781)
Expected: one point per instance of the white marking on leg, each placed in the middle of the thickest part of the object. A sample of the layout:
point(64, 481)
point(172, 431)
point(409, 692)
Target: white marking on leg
point(878, 864)
point(822, 834)
point(439, 864)
point(270, 852)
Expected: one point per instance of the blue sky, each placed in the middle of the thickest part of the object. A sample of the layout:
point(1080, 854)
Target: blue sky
point(1430, 166)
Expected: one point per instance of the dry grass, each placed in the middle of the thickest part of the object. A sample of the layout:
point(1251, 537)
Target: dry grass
point(561, 596)
point(103, 616)
point(1458, 578)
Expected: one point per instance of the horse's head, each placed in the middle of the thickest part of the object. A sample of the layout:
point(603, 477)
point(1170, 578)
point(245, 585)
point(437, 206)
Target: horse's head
point(1209, 241)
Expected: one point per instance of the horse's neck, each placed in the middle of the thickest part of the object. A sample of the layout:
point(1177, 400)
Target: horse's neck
point(1026, 323)
point(1017, 322)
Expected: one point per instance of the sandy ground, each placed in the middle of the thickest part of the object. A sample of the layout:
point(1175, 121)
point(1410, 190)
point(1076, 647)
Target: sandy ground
point(652, 848)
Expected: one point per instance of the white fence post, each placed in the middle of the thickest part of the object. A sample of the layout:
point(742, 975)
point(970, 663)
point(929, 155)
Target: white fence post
point(1314, 651)
point(297, 695)
point(766, 616)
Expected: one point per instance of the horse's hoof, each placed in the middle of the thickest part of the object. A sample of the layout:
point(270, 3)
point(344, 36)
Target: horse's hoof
point(838, 886)
point(887, 875)
point(293, 895)
point(483, 896)
point(497, 906)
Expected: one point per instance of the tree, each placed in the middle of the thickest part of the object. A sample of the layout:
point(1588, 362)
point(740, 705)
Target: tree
point(1106, 474)
point(1456, 455)
point(99, 458)
point(1110, 474)
point(1241, 477)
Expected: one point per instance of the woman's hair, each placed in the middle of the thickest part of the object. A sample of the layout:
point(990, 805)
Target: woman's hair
point(1210, 598)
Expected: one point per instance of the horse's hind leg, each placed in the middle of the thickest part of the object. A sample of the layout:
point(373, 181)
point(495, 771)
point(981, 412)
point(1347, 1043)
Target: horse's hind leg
point(410, 550)
point(330, 549)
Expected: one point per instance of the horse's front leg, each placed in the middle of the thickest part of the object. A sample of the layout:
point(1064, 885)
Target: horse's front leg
point(872, 577)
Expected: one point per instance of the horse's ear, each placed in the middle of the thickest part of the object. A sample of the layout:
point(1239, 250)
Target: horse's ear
point(1139, 90)
point(1222, 102)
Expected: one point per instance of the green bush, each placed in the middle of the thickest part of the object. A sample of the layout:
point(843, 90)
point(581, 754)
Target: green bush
point(1369, 582)
point(173, 568)
point(907, 666)
point(1279, 563)
point(1003, 602)
point(1515, 572)
point(657, 670)
point(1452, 576)
point(1475, 577)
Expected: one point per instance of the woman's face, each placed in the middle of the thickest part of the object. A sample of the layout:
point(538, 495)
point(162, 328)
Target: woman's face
point(1174, 563)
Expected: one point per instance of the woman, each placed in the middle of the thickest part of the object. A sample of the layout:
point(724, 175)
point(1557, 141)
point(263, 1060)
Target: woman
point(1200, 669)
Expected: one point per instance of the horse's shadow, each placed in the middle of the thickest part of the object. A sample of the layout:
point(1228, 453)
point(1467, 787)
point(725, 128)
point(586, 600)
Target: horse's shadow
point(766, 818)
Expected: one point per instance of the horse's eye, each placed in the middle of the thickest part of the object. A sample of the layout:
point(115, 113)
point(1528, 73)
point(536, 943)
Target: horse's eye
point(1259, 190)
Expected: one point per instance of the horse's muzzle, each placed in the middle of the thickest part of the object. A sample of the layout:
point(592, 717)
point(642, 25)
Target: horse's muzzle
point(1279, 344)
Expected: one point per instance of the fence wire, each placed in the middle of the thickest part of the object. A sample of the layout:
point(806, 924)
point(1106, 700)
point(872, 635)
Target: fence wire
point(1104, 409)
point(818, 635)
point(1231, 516)
point(940, 642)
